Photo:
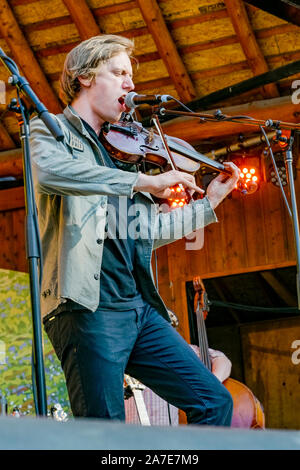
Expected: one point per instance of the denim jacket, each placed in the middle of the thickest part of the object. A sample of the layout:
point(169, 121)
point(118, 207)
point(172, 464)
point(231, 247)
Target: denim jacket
point(71, 187)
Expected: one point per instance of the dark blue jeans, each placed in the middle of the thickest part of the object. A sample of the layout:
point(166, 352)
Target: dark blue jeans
point(96, 349)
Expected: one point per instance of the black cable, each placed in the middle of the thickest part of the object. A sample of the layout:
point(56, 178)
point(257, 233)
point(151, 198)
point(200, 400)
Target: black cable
point(181, 104)
point(253, 308)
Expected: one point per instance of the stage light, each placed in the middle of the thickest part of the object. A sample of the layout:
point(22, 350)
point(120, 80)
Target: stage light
point(271, 174)
point(178, 198)
point(248, 182)
point(250, 173)
point(269, 170)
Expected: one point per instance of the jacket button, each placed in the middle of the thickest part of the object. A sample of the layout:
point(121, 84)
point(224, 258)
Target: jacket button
point(99, 241)
point(97, 277)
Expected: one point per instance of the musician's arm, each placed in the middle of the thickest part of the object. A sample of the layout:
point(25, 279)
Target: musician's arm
point(220, 364)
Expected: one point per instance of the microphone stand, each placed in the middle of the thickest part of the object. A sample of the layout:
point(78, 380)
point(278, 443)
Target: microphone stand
point(218, 116)
point(32, 239)
point(290, 177)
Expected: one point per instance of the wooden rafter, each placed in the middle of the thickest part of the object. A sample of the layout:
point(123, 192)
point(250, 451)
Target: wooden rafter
point(257, 62)
point(25, 58)
point(83, 18)
point(167, 49)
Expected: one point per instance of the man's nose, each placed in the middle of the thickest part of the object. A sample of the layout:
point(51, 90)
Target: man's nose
point(128, 84)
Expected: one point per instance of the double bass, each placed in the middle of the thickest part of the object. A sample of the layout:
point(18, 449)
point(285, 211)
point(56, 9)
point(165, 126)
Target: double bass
point(247, 410)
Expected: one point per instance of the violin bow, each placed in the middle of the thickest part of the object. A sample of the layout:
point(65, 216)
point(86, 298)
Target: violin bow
point(173, 164)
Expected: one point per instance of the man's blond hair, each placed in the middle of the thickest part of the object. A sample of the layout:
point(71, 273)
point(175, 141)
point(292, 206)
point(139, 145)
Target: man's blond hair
point(86, 58)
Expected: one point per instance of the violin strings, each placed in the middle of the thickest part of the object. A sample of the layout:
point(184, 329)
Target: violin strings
point(202, 336)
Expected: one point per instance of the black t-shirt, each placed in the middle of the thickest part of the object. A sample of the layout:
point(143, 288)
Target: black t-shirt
point(117, 279)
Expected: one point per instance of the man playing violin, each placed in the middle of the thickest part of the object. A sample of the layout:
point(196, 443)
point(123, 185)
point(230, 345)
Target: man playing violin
point(100, 307)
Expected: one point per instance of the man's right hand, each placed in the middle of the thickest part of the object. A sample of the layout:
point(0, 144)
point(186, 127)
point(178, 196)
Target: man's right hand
point(159, 185)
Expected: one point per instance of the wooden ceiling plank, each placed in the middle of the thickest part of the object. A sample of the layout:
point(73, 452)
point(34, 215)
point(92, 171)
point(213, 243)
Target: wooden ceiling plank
point(188, 21)
point(48, 24)
point(257, 62)
point(25, 58)
point(83, 18)
point(252, 83)
point(166, 47)
point(117, 8)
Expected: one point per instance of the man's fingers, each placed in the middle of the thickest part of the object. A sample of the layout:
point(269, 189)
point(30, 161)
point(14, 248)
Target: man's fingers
point(188, 181)
point(231, 166)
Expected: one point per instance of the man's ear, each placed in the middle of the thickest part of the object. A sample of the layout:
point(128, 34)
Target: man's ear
point(84, 81)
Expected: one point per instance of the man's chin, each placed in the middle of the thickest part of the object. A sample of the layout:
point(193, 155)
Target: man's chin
point(114, 119)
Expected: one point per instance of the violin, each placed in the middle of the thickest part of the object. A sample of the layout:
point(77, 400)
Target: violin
point(130, 142)
point(247, 410)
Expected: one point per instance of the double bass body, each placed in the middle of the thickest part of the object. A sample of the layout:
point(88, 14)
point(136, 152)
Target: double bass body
point(247, 410)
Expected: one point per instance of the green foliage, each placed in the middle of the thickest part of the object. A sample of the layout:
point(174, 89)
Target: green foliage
point(16, 349)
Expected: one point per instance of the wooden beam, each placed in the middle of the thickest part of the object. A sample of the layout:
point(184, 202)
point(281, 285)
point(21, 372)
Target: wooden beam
point(25, 58)
point(279, 288)
point(192, 130)
point(257, 62)
point(83, 18)
point(165, 45)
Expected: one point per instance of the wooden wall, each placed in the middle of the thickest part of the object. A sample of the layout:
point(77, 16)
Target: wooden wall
point(12, 234)
point(253, 233)
point(272, 369)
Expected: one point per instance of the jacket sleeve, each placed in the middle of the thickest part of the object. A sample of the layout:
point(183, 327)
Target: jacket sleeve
point(178, 223)
point(56, 171)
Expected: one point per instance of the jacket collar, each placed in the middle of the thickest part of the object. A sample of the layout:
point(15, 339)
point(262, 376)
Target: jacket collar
point(74, 118)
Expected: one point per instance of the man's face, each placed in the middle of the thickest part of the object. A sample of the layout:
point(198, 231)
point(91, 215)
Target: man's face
point(105, 94)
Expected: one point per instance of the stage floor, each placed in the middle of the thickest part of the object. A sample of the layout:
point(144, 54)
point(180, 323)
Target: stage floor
point(30, 433)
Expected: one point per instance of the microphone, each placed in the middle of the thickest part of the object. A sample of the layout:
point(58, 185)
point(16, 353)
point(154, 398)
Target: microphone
point(132, 100)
